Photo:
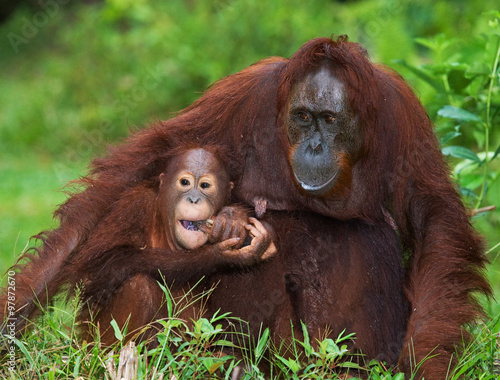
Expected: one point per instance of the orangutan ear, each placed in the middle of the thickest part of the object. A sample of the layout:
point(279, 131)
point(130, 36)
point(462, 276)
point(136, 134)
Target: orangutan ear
point(162, 178)
point(231, 185)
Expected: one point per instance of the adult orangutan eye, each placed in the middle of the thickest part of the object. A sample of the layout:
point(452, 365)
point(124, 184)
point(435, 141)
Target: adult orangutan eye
point(205, 185)
point(184, 182)
point(329, 119)
point(302, 116)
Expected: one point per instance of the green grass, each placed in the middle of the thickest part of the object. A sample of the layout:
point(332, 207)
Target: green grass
point(204, 349)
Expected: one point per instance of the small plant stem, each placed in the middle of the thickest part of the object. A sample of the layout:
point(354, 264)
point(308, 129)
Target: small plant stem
point(493, 248)
point(447, 88)
point(487, 126)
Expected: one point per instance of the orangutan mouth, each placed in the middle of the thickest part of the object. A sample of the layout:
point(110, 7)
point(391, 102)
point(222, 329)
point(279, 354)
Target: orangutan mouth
point(191, 225)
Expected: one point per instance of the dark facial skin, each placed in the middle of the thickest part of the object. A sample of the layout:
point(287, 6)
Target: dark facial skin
point(197, 190)
point(319, 128)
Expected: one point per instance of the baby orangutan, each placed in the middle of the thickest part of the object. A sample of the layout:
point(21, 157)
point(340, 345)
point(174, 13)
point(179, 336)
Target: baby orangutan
point(176, 225)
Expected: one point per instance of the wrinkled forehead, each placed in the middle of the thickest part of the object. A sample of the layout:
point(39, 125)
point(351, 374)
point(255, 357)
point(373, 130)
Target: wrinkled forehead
point(319, 90)
point(197, 162)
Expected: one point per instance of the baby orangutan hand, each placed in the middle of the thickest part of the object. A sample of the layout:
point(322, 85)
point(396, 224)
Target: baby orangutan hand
point(229, 223)
point(261, 247)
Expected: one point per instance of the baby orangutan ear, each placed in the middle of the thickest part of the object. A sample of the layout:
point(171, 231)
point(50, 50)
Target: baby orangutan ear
point(162, 178)
point(231, 185)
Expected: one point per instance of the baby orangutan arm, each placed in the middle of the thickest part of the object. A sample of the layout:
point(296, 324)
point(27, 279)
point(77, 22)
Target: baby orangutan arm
point(182, 265)
point(179, 266)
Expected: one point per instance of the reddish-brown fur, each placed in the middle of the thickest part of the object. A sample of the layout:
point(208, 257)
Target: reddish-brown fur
point(333, 275)
point(120, 262)
point(399, 176)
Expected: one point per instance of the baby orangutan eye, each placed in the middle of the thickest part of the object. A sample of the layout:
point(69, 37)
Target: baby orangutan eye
point(205, 185)
point(184, 182)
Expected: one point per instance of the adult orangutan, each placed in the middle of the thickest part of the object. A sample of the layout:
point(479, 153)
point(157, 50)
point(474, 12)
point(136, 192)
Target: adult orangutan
point(341, 143)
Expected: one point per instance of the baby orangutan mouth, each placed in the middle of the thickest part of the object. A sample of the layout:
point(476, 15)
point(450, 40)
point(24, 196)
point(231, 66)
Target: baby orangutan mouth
point(191, 225)
point(193, 231)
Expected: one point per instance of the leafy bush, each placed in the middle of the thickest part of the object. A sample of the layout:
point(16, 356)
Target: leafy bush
point(467, 103)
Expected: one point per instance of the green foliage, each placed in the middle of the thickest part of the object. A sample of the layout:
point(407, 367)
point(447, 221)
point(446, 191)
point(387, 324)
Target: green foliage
point(50, 351)
point(329, 358)
point(203, 349)
point(481, 358)
point(467, 103)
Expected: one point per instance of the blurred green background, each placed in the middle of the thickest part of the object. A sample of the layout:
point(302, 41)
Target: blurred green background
point(76, 76)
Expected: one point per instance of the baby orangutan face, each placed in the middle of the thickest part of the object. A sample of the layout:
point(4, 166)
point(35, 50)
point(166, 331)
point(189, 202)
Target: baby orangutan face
point(196, 190)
